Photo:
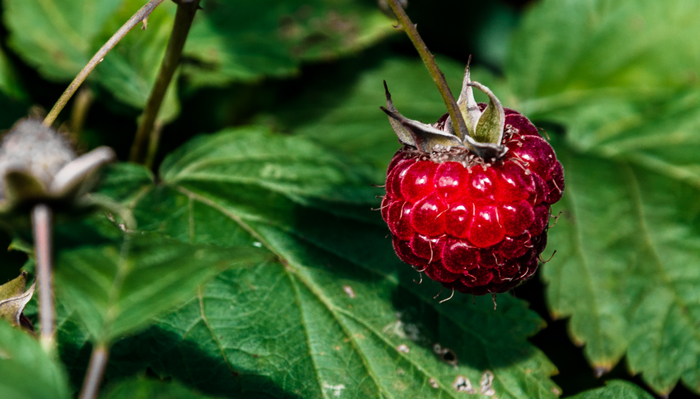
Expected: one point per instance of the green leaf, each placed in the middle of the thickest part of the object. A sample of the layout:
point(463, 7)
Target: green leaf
point(119, 288)
point(604, 69)
point(26, 371)
point(297, 168)
point(627, 245)
point(122, 181)
point(615, 389)
point(73, 342)
point(621, 77)
point(10, 83)
point(141, 388)
point(657, 135)
point(129, 71)
point(57, 37)
point(569, 50)
point(236, 40)
point(336, 313)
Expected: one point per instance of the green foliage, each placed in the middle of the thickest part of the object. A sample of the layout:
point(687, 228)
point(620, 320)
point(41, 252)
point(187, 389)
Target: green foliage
point(628, 242)
point(26, 371)
point(341, 110)
point(255, 268)
point(130, 70)
point(9, 81)
point(569, 51)
point(241, 40)
point(230, 41)
point(118, 288)
point(59, 38)
point(336, 312)
point(148, 389)
point(615, 390)
point(56, 37)
point(623, 85)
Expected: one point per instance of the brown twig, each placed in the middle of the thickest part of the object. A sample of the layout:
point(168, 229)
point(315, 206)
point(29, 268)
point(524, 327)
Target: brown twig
point(146, 142)
point(458, 123)
point(140, 16)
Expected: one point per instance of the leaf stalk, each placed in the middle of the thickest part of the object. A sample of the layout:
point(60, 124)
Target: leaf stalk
point(458, 123)
point(41, 223)
point(146, 142)
point(95, 371)
point(141, 15)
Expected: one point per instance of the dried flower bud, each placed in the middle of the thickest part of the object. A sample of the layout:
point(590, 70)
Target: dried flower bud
point(38, 164)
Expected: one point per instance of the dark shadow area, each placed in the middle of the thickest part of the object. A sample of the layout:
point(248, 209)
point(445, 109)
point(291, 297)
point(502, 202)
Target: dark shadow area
point(12, 261)
point(459, 29)
point(208, 110)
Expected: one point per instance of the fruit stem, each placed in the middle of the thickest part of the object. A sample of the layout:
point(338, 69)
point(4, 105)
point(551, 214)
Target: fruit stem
point(41, 222)
point(96, 369)
point(458, 123)
point(141, 15)
point(146, 141)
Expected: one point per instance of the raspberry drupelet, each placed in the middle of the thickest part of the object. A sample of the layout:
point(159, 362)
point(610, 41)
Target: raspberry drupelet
point(471, 212)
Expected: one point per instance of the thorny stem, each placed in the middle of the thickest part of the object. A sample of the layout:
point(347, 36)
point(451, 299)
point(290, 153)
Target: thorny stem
point(141, 15)
point(96, 369)
point(429, 61)
point(41, 218)
point(146, 142)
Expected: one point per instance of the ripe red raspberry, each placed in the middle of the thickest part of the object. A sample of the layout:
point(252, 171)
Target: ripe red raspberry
point(474, 219)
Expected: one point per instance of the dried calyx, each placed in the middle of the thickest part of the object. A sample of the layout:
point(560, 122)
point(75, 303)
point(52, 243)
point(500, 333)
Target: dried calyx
point(483, 138)
point(13, 299)
point(37, 164)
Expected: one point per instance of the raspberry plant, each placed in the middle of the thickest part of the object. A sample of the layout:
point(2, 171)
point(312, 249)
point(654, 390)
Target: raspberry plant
point(238, 255)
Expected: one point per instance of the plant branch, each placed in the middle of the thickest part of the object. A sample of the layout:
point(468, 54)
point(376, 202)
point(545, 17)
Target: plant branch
point(41, 218)
point(458, 123)
point(140, 15)
point(146, 141)
point(96, 369)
